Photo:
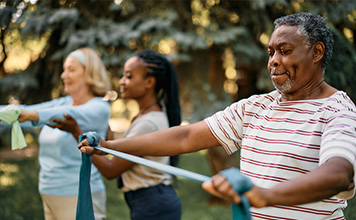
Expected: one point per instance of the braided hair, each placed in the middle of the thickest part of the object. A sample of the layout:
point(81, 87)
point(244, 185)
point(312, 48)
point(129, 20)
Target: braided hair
point(166, 83)
point(166, 86)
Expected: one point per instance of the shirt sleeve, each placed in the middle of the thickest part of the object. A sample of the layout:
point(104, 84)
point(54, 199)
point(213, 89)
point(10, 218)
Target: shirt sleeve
point(93, 114)
point(48, 104)
point(339, 140)
point(227, 125)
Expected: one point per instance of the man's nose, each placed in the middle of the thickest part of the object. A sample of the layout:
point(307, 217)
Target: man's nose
point(274, 60)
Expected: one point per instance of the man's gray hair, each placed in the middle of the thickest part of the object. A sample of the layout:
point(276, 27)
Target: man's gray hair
point(314, 27)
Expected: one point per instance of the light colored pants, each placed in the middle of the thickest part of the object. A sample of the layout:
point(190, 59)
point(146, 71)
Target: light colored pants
point(65, 207)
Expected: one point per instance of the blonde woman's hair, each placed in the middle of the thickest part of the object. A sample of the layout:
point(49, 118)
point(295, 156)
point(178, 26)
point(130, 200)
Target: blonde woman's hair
point(95, 73)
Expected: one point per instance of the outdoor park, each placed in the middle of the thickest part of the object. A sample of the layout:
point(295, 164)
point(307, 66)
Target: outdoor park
point(218, 48)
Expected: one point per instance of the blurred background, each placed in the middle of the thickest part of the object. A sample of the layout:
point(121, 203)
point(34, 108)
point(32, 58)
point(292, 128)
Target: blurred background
point(217, 46)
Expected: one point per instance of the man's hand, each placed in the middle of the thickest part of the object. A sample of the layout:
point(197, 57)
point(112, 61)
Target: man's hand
point(220, 187)
point(69, 124)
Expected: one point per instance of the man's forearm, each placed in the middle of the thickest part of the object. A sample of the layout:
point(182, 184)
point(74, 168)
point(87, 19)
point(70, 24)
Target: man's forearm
point(324, 182)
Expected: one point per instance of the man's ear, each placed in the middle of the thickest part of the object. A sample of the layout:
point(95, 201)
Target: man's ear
point(319, 51)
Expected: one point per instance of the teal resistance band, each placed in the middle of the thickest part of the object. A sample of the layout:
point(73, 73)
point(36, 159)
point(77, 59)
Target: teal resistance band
point(240, 211)
point(241, 184)
point(158, 166)
point(85, 209)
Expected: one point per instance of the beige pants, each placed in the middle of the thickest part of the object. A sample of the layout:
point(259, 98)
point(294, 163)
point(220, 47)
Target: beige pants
point(65, 207)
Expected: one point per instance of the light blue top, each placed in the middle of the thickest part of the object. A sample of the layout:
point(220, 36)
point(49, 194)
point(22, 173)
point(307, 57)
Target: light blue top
point(59, 156)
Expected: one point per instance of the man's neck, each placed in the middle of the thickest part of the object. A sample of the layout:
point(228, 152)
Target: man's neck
point(318, 91)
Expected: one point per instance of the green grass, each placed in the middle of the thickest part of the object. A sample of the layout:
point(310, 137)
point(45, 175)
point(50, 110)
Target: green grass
point(19, 198)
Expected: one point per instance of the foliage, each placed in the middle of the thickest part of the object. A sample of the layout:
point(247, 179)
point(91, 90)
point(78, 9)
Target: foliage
point(341, 71)
point(183, 29)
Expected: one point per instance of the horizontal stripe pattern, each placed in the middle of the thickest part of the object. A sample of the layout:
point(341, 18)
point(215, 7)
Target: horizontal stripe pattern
point(280, 141)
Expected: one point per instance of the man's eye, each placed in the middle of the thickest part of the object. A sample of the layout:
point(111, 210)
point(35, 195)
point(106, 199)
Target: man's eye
point(283, 52)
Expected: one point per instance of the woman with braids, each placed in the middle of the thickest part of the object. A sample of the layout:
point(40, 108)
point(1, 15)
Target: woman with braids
point(151, 80)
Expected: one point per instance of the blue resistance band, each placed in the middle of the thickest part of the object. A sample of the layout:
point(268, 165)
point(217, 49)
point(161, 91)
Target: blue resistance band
point(239, 211)
point(85, 209)
point(240, 184)
point(158, 166)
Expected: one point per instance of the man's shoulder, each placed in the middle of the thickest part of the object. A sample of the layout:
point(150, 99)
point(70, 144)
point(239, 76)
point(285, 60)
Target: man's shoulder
point(341, 100)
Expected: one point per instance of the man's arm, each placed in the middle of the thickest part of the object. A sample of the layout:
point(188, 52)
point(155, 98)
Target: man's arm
point(168, 142)
point(329, 179)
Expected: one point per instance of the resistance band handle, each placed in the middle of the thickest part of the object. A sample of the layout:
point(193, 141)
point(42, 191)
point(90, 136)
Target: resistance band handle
point(240, 184)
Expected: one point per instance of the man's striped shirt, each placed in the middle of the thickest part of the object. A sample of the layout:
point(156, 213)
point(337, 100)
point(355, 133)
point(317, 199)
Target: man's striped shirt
point(280, 141)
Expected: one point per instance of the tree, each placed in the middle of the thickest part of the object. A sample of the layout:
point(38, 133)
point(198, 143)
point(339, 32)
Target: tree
point(218, 46)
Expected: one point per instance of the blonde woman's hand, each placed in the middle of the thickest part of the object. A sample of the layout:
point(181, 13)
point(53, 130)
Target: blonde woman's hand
point(28, 116)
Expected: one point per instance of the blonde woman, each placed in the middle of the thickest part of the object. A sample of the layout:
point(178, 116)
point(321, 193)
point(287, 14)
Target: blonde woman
point(86, 82)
